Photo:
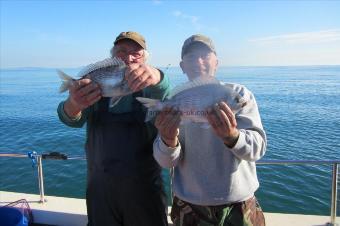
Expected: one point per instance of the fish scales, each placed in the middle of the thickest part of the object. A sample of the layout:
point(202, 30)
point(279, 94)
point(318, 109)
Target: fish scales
point(108, 74)
point(194, 97)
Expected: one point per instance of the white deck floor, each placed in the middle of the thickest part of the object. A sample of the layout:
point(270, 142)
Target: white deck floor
point(72, 212)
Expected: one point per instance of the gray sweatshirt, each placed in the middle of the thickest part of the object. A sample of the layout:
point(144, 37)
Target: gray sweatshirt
point(206, 171)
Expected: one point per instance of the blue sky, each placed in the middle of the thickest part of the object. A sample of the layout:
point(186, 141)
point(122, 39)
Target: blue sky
point(245, 33)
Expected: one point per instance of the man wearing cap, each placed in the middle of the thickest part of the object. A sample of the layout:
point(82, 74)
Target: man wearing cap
point(124, 185)
point(214, 175)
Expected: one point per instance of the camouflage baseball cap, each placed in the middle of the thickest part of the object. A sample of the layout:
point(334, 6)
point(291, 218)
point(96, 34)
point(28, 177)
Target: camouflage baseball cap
point(132, 35)
point(197, 38)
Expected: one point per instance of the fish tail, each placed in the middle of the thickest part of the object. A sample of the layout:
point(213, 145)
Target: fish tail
point(152, 105)
point(66, 81)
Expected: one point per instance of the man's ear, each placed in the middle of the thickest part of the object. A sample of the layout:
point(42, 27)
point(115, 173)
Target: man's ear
point(216, 66)
point(182, 66)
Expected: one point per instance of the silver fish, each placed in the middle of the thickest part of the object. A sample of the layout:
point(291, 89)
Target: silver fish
point(194, 97)
point(108, 73)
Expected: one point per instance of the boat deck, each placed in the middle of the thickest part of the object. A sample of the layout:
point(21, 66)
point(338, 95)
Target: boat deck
point(72, 212)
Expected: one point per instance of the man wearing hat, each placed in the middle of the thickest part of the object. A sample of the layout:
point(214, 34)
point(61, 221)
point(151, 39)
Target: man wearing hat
point(214, 177)
point(124, 185)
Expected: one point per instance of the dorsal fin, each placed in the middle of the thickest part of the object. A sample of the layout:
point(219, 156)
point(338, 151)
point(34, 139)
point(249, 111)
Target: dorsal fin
point(108, 62)
point(200, 81)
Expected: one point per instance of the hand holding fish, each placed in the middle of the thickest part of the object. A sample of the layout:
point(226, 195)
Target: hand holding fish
point(83, 93)
point(223, 122)
point(140, 76)
point(167, 123)
point(108, 74)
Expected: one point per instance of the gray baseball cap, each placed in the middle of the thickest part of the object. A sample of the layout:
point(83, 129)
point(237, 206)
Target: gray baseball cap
point(197, 38)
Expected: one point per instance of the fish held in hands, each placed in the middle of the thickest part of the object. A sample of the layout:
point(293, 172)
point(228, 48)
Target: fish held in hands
point(194, 97)
point(108, 74)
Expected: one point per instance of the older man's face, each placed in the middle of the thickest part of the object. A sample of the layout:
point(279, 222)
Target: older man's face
point(129, 51)
point(199, 60)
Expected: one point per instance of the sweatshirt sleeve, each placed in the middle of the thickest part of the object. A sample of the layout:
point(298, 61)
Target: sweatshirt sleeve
point(166, 157)
point(252, 142)
point(77, 122)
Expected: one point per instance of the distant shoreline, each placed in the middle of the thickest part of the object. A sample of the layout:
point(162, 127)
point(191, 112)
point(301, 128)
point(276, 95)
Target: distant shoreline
point(163, 67)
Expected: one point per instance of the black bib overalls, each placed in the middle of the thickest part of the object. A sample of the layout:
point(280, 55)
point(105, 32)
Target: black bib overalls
point(124, 185)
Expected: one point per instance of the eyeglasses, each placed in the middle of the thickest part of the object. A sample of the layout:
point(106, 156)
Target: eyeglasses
point(123, 53)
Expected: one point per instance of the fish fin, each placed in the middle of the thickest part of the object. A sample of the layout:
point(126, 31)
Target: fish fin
point(66, 81)
point(147, 102)
point(152, 105)
point(200, 81)
point(108, 62)
point(114, 101)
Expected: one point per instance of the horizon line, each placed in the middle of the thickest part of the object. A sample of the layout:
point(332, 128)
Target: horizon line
point(76, 67)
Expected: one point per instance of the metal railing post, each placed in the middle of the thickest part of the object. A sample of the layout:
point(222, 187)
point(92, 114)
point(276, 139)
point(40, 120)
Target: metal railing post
point(41, 180)
point(334, 195)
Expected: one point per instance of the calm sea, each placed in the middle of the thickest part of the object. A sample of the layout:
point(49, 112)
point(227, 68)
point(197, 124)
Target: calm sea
point(299, 106)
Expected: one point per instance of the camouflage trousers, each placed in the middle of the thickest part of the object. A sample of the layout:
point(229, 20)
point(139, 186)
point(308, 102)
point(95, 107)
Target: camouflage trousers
point(247, 213)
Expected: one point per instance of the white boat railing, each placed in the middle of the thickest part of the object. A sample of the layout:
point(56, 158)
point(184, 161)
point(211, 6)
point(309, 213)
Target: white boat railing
point(37, 160)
